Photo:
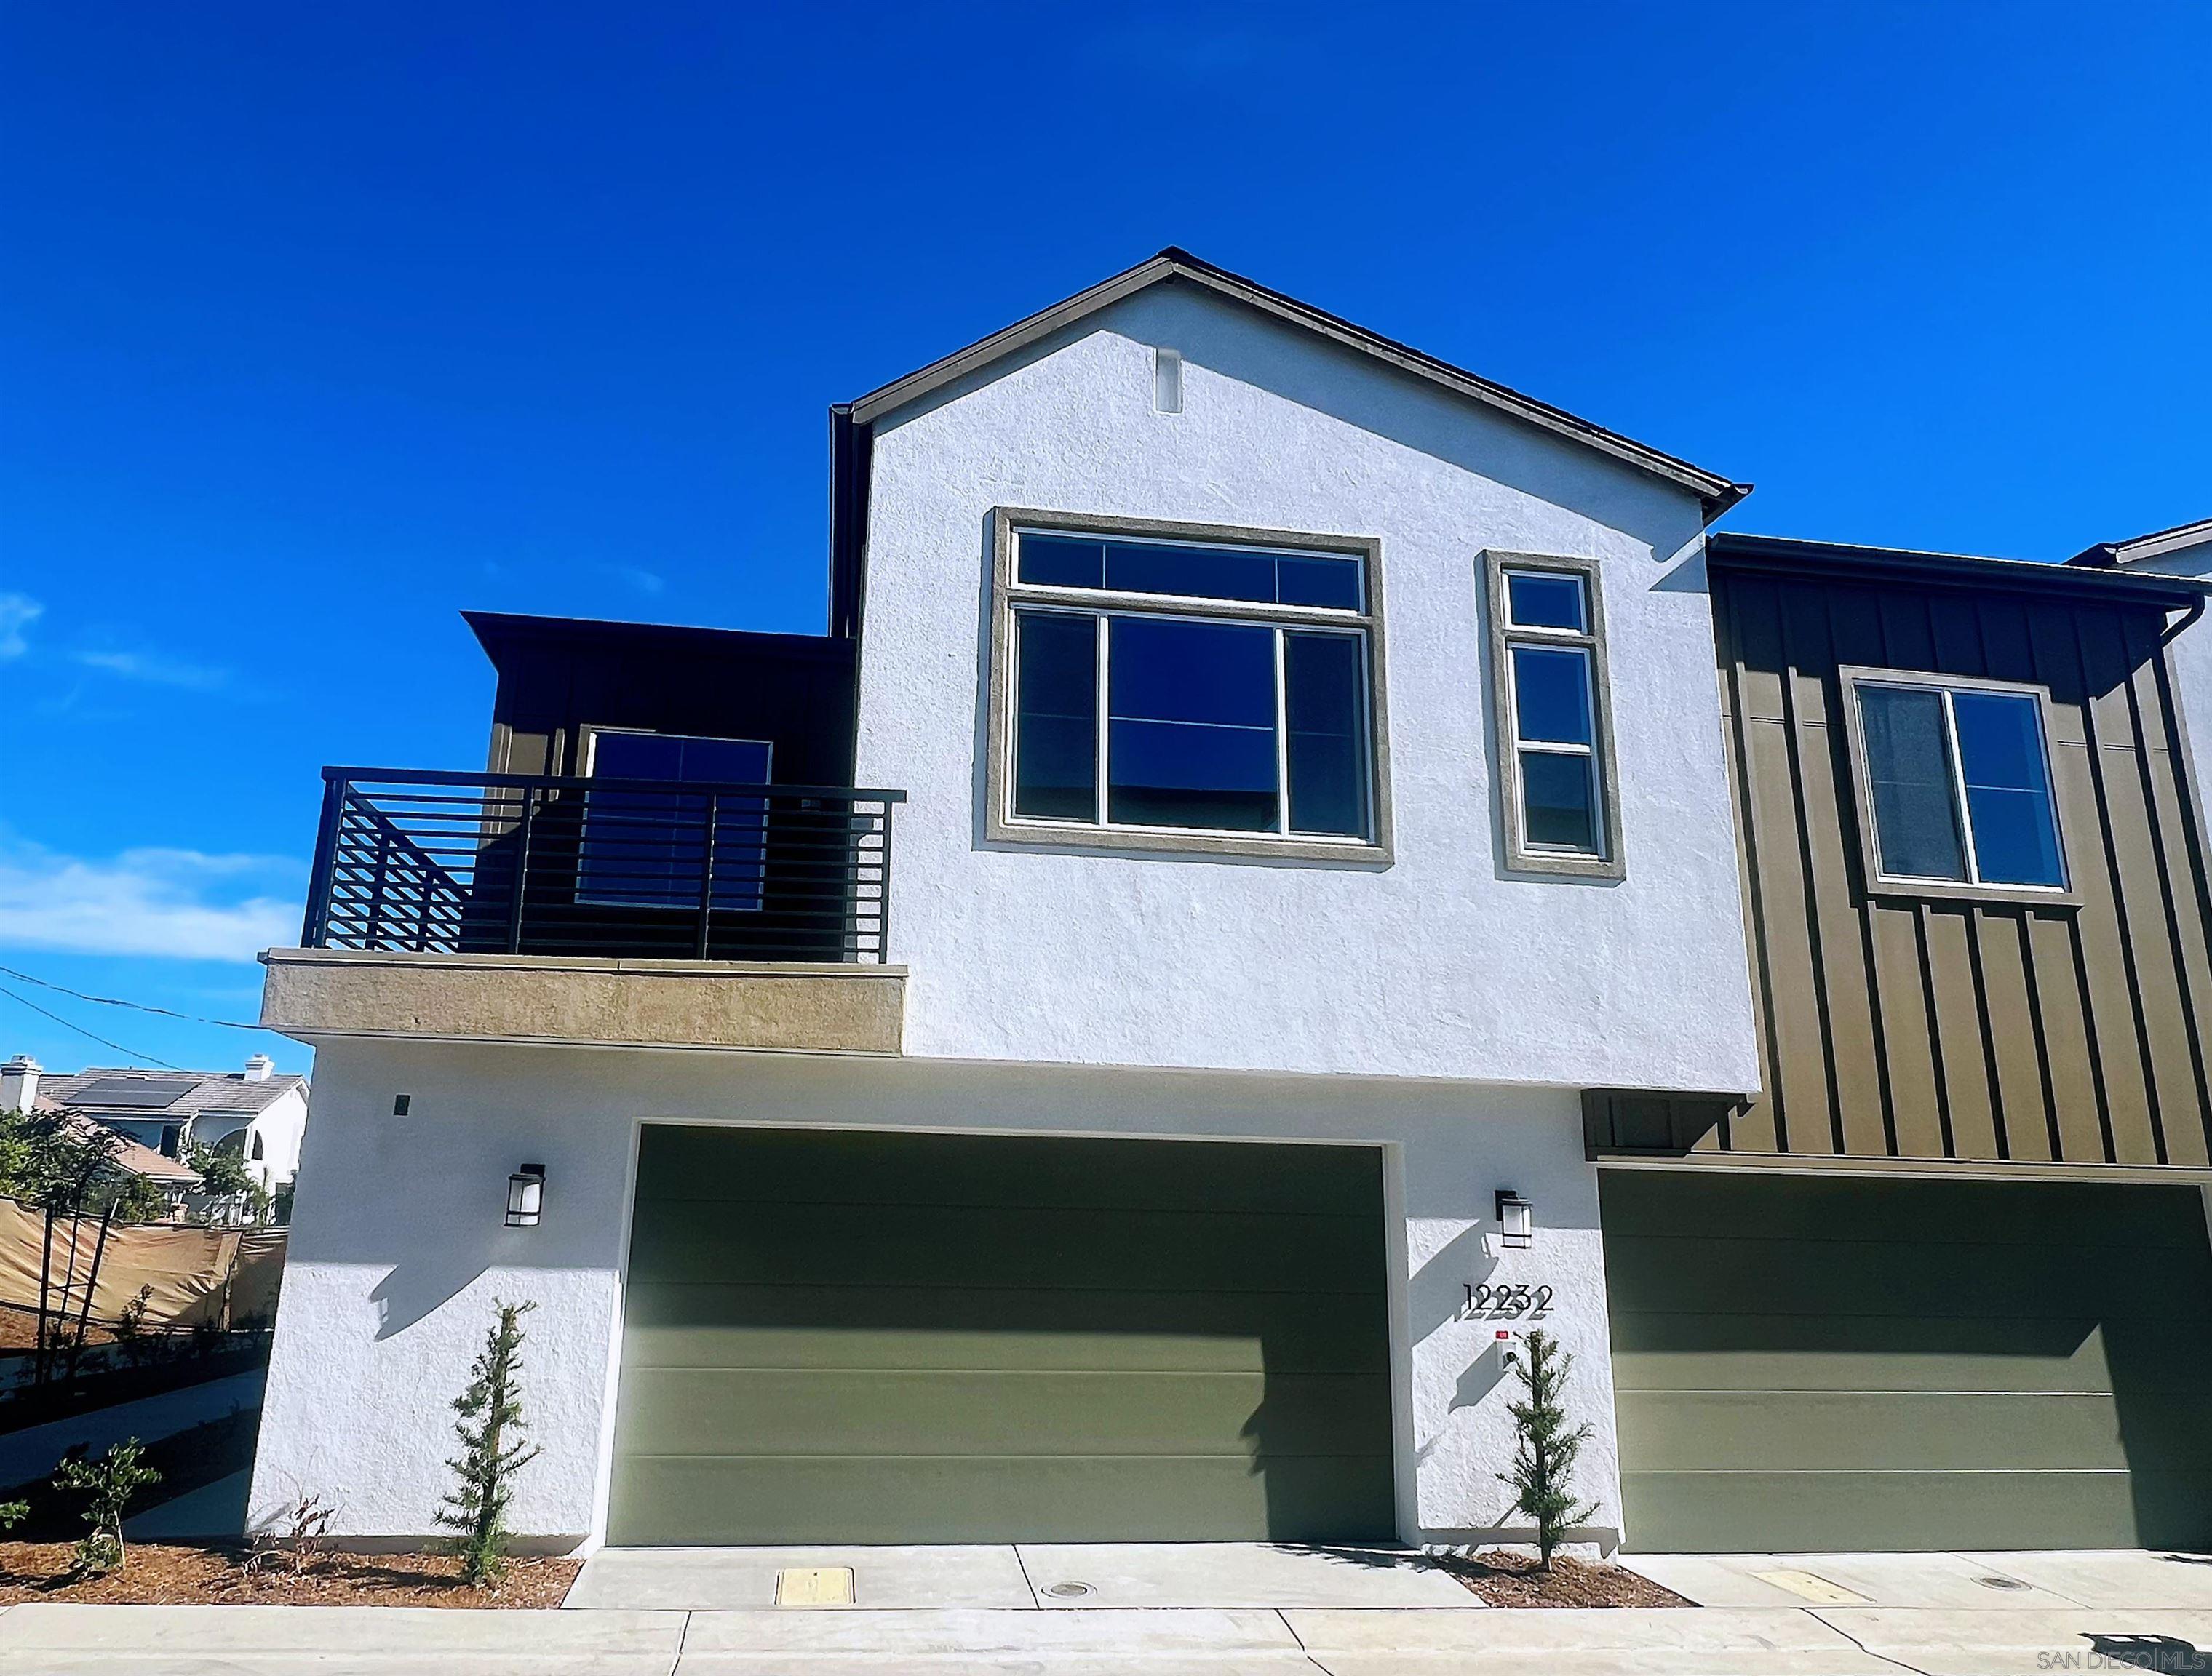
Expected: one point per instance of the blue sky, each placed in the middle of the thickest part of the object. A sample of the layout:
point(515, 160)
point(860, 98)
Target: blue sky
point(323, 323)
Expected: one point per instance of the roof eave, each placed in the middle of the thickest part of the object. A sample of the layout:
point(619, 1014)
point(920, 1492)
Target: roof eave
point(1794, 555)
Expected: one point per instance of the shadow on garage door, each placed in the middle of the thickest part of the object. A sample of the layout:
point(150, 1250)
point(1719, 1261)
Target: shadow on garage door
point(1807, 1364)
point(846, 1337)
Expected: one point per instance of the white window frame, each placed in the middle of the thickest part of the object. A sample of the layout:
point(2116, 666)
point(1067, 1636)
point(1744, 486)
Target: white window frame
point(1973, 887)
point(1523, 855)
point(1014, 597)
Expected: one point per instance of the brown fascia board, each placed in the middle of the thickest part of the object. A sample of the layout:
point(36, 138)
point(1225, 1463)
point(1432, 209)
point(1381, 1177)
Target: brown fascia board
point(1717, 493)
point(2156, 544)
point(1788, 555)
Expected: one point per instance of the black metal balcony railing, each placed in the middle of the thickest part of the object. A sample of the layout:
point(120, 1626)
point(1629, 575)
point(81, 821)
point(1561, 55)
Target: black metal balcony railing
point(524, 864)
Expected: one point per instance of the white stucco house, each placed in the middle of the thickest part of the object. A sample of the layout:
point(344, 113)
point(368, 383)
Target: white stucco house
point(256, 1114)
point(1255, 905)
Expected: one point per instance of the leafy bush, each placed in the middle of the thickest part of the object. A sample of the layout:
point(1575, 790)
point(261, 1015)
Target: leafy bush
point(108, 1487)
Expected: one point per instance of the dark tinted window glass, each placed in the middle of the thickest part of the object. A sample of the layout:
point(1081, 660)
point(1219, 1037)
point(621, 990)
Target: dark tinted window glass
point(1325, 701)
point(1191, 725)
point(649, 848)
point(1545, 602)
point(1207, 572)
point(1063, 561)
point(1331, 582)
point(1550, 694)
point(1055, 717)
point(1558, 812)
point(1909, 768)
point(2007, 788)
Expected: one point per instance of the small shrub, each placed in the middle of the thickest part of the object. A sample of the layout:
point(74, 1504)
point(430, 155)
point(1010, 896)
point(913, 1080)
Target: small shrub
point(302, 1534)
point(108, 1485)
point(491, 1453)
point(13, 1514)
point(1542, 1475)
point(137, 1344)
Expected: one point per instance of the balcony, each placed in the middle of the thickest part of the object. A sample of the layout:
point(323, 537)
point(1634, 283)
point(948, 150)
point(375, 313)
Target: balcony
point(621, 912)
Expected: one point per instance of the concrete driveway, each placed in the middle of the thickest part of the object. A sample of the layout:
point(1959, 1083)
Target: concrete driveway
point(1023, 1576)
point(2077, 1611)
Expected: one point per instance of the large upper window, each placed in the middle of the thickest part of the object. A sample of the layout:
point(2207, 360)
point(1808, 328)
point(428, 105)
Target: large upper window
point(1956, 779)
point(642, 847)
point(1164, 689)
point(1548, 662)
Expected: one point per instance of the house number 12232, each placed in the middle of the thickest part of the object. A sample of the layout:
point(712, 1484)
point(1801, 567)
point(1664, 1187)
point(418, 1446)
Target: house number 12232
point(1507, 1300)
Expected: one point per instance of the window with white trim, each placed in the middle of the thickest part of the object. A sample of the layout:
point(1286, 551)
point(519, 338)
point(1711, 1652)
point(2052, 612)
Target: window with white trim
point(1549, 691)
point(1162, 687)
point(1956, 777)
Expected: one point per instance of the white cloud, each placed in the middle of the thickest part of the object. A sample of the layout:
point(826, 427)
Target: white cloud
point(645, 582)
point(173, 904)
point(158, 670)
point(18, 611)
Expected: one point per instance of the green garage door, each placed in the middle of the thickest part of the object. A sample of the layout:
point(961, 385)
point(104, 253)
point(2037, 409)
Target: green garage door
point(1808, 1365)
point(839, 1336)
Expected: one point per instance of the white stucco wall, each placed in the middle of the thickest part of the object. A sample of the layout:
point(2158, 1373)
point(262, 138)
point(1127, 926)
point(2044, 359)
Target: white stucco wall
point(1439, 965)
point(399, 1251)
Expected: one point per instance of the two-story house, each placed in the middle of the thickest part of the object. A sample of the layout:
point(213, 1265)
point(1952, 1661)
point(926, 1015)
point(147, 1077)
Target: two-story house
point(1292, 864)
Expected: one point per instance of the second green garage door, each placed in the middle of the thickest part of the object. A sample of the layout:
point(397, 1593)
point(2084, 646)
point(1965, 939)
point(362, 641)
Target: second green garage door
point(1811, 1365)
point(842, 1337)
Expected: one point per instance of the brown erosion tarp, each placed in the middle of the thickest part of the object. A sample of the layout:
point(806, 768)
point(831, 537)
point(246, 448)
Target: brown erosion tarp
point(223, 1276)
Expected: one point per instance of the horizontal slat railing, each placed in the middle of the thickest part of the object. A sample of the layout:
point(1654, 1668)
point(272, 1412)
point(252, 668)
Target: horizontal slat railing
point(426, 862)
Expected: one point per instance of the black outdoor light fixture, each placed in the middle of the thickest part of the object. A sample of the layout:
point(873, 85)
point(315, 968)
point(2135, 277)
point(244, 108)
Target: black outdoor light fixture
point(1516, 1220)
point(525, 1196)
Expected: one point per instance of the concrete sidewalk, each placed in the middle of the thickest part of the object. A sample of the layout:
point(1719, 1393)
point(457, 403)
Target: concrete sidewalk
point(57, 1640)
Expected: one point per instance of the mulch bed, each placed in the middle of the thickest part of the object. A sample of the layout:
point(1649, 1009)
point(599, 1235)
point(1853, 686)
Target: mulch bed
point(176, 1573)
point(1504, 1578)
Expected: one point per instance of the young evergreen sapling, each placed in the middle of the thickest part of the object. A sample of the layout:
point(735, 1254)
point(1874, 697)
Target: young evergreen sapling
point(492, 1451)
point(1542, 1477)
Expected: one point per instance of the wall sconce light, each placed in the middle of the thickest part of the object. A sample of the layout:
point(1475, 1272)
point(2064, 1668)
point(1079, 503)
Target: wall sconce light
point(525, 1196)
point(1516, 1220)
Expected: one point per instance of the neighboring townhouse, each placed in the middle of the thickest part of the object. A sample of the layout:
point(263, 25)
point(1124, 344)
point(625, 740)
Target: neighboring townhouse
point(1255, 904)
point(255, 1115)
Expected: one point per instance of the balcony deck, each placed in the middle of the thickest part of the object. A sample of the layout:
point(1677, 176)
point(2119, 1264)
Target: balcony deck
point(521, 907)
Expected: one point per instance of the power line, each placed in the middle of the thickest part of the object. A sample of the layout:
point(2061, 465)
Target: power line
point(127, 1052)
point(136, 1006)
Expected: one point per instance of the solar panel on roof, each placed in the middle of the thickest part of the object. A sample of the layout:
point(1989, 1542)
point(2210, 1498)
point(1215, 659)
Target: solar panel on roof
point(149, 1092)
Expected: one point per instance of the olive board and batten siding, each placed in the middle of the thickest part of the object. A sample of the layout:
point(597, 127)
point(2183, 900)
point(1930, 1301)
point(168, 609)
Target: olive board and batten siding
point(846, 1336)
point(2004, 1031)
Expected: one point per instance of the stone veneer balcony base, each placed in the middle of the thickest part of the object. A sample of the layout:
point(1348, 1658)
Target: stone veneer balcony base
point(787, 1006)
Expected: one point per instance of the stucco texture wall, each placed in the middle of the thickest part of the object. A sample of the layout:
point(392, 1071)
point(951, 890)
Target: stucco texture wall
point(1441, 964)
point(398, 1249)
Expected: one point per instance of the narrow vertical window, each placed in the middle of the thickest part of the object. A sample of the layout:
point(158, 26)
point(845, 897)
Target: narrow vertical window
point(1167, 381)
point(1056, 716)
point(1548, 687)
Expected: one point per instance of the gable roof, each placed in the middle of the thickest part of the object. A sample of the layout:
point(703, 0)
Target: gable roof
point(2157, 544)
point(1717, 493)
